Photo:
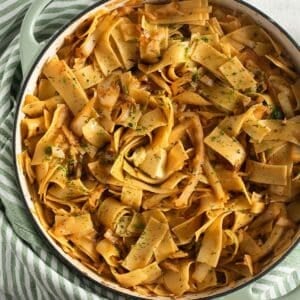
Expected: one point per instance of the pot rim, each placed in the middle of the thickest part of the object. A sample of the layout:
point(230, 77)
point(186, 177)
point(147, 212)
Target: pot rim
point(46, 237)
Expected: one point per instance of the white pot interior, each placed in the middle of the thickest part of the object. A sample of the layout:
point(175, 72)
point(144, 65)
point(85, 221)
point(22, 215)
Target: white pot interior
point(290, 48)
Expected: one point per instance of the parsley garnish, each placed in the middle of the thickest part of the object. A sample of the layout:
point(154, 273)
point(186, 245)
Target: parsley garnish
point(48, 150)
point(195, 77)
point(277, 114)
point(204, 39)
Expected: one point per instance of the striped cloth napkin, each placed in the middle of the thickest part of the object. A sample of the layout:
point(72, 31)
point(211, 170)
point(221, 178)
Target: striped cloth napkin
point(29, 269)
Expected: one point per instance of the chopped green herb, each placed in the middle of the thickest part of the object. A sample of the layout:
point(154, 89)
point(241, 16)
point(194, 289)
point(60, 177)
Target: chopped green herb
point(277, 114)
point(141, 128)
point(61, 168)
point(204, 39)
point(125, 90)
point(248, 91)
point(139, 226)
point(83, 144)
point(71, 161)
point(186, 52)
point(156, 156)
point(195, 77)
point(48, 150)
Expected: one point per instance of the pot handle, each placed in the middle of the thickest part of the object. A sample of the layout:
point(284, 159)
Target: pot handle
point(29, 47)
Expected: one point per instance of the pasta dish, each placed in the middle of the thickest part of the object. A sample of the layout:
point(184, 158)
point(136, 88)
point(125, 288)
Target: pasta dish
point(162, 146)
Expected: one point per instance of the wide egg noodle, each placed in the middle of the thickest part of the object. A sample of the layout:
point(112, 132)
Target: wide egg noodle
point(209, 57)
point(110, 211)
point(178, 282)
point(181, 12)
point(174, 55)
point(224, 97)
point(191, 98)
point(41, 153)
point(145, 275)
point(88, 76)
point(104, 53)
point(108, 251)
point(132, 197)
point(237, 75)
point(66, 84)
point(228, 147)
point(166, 248)
point(211, 247)
point(266, 173)
point(127, 49)
point(141, 253)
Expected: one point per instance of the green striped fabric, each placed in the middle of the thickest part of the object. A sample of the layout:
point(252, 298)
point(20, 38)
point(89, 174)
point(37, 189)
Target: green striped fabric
point(28, 268)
